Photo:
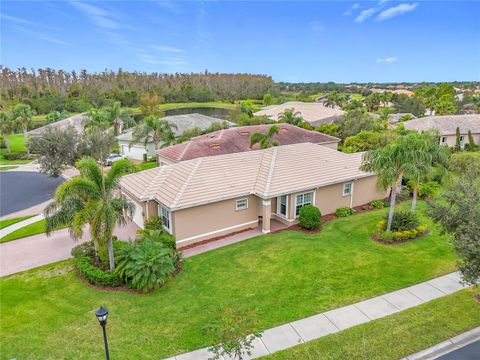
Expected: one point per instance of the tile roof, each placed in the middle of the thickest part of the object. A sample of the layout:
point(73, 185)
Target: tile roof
point(183, 122)
point(76, 121)
point(237, 139)
point(446, 124)
point(265, 173)
point(314, 113)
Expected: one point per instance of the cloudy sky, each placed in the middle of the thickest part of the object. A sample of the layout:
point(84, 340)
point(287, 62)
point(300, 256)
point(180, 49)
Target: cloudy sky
point(310, 41)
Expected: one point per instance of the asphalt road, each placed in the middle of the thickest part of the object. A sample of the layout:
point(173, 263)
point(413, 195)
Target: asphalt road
point(469, 352)
point(21, 189)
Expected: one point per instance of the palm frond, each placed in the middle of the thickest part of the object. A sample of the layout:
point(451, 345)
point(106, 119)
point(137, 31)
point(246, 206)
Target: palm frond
point(89, 168)
point(77, 187)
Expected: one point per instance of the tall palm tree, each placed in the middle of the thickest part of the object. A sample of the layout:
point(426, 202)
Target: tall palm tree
point(90, 199)
point(390, 164)
point(6, 127)
point(155, 130)
point(118, 117)
point(97, 119)
point(429, 156)
point(291, 117)
point(265, 140)
point(22, 116)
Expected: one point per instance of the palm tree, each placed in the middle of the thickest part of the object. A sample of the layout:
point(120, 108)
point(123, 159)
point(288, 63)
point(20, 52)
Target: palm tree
point(429, 156)
point(118, 117)
point(22, 115)
point(390, 164)
point(290, 117)
point(97, 120)
point(6, 127)
point(90, 199)
point(265, 140)
point(333, 99)
point(155, 130)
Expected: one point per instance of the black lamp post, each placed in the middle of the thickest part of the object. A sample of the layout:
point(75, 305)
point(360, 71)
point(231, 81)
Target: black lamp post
point(102, 314)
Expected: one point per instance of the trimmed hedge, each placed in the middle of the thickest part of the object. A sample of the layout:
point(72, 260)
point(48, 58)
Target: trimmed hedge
point(310, 217)
point(377, 204)
point(398, 236)
point(344, 212)
point(95, 275)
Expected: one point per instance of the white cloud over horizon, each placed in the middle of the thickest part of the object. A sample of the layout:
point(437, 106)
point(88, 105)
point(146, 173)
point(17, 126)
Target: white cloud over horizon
point(396, 11)
point(388, 60)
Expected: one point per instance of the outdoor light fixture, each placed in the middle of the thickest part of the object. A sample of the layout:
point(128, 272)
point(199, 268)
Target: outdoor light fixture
point(102, 314)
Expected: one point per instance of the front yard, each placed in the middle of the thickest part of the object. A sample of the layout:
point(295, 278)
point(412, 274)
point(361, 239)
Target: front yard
point(49, 313)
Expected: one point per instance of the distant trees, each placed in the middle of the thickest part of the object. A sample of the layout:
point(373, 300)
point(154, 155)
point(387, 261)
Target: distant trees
point(22, 115)
point(265, 140)
point(367, 140)
point(408, 104)
point(7, 125)
point(354, 121)
point(439, 98)
point(329, 129)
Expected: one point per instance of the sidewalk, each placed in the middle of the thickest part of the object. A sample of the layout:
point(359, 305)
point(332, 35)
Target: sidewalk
point(289, 335)
point(20, 224)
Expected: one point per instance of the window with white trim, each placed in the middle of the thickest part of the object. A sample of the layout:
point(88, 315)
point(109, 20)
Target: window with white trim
point(444, 140)
point(282, 205)
point(347, 189)
point(302, 200)
point(166, 217)
point(241, 204)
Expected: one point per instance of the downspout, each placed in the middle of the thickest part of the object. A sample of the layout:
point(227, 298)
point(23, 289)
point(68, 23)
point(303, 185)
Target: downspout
point(351, 194)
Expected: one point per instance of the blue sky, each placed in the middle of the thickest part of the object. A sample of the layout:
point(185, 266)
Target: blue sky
point(340, 41)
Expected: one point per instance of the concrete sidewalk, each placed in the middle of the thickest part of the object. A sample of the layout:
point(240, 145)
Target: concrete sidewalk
point(288, 335)
point(20, 224)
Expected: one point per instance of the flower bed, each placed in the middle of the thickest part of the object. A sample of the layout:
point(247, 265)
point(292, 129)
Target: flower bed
point(398, 236)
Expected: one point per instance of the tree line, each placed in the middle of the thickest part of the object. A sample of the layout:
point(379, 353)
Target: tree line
point(47, 90)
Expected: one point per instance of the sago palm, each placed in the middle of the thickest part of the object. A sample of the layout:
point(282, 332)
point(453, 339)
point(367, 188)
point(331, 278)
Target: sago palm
point(91, 199)
point(155, 130)
point(265, 140)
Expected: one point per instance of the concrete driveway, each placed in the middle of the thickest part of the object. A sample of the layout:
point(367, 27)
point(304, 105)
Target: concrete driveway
point(23, 189)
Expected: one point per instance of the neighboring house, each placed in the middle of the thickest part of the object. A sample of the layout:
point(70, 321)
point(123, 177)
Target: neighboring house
point(394, 117)
point(447, 125)
point(183, 122)
point(235, 140)
point(314, 113)
point(76, 121)
point(208, 197)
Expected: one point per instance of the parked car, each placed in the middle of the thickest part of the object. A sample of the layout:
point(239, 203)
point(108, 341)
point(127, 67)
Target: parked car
point(110, 159)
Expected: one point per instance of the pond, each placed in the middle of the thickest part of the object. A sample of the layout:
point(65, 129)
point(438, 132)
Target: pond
point(220, 113)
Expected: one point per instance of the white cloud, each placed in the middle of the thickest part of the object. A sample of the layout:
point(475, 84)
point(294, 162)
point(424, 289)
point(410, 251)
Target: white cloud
point(99, 16)
point(167, 49)
point(169, 5)
point(388, 60)
point(349, 12)
point(396, 10)
point(42, 36)
point(365, 14)
point(316, 26)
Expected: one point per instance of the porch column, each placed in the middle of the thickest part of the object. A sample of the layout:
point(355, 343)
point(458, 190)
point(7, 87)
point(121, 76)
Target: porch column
point(266, 214)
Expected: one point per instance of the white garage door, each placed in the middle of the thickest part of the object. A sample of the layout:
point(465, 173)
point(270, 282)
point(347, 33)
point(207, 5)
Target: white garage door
point(134, 152)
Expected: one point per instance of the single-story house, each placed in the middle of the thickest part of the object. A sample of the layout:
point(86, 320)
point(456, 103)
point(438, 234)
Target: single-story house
point(314, 113)
point(447, 126)
point(76, 121)
point(183, 122)
point(234, 140)
point(208, 197)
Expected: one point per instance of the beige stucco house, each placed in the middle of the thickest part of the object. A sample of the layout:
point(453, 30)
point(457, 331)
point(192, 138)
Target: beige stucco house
point(209, 197)
point(447, 125)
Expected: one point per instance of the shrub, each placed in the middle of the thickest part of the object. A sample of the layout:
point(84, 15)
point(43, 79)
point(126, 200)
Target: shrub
point(429, 189)
point(154, 223)
point(159, 236)
point(15, 156)
point(344, 212)
point(310, 217)
point(404, 220)
point(86, 249)
point(404, 194)
point(95, 275)
point(145, 264)
point(377, 204)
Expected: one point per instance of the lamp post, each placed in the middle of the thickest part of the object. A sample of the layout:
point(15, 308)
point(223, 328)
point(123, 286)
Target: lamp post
point(102, 314)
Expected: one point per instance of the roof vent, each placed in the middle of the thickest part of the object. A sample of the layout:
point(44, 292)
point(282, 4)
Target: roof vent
point(214, 146)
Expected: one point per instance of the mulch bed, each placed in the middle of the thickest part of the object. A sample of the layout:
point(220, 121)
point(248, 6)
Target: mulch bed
point(186, 247)
point(123, 288)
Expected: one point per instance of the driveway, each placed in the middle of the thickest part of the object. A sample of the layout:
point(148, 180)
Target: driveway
point(23, 189)
point(37, 250)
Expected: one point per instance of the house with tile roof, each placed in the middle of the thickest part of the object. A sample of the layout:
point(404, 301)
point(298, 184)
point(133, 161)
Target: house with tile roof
point(237, 139)
point(447, 125)
point(207, 197)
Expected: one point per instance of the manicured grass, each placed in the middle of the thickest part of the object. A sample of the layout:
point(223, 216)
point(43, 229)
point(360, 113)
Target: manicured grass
point(396, 336)
point(218, 104)
point(29, 230)
point(3, 168)
point(146, 165)
point(17, 144)
point(49, 312)
point(5, 223)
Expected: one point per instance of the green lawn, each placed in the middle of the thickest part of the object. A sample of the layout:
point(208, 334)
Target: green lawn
point(3, 168)
point(146, 165)
point(29, 230)
point(5, 223)
point(398, 335)
point(49, 312)
point(17, 144)
point(218, 104)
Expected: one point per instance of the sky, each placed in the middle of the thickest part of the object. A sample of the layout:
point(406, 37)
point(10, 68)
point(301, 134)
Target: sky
point(292, 41)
